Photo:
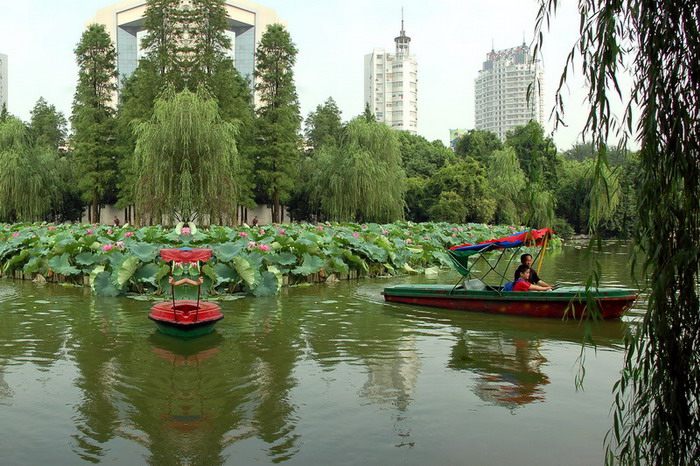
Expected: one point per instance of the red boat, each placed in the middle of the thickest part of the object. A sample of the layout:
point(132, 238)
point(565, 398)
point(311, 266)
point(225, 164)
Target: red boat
point(474, 295)
point(185, 318)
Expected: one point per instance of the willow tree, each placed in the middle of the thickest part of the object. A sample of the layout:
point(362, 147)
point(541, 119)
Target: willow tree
point(186, 161)
point(657, 399)
point(28, 177)
point(507, 181)
point(362, 179)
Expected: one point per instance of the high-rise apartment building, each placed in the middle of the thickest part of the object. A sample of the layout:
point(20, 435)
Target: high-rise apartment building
point(247, 22)
point(391, 85)
point(501, 91)
point(3, 80)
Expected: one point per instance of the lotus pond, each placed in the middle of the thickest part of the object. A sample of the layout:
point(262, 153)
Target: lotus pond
point(321, 374)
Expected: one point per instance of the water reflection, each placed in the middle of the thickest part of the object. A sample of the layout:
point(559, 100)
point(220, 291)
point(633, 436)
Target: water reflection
point(508, 356)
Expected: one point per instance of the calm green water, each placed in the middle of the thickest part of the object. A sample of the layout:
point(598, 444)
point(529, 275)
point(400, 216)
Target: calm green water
point(327, 374)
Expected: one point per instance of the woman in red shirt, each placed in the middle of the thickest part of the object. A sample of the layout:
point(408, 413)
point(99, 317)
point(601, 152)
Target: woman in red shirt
point(522, 283)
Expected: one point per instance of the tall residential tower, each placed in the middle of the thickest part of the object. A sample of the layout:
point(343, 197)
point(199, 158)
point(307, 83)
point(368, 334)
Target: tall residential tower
point(501, 91)
point(391, 85)
point(3, 80)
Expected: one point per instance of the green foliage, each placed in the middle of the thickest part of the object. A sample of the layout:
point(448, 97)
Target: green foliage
point(277, 153)
point(508, 183)
point(28, 178)
point(420, 158)
point(47, 127)
point(361, 180)
point(186, 160)
point(467, 179)
point(656, 419)
point(252, 259)
point(94, 130)
point(537, 154)
point(478, 144)
point(324, 126)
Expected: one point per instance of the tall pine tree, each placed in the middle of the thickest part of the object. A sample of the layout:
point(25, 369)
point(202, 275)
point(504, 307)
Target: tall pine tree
point(94, 129)
point(278, 140)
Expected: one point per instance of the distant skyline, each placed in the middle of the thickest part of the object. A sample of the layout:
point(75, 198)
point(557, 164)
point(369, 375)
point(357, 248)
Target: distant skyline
point(450, 39)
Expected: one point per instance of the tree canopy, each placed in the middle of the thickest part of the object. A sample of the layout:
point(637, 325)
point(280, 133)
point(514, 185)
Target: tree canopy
point(361, 180)
point(186, 160)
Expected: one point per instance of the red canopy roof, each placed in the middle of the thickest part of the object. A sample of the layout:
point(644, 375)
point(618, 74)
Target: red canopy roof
point(185, 255)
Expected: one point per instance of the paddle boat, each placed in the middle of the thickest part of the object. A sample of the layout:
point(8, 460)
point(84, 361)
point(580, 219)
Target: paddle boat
point(472, 294)
point(185, 318)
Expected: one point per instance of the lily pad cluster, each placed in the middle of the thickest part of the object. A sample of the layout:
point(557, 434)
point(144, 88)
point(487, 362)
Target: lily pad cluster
point(255, 260)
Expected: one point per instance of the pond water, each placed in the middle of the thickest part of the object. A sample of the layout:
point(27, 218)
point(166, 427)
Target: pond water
point(325, 374)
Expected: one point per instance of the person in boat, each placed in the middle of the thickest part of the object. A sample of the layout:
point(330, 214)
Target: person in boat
point(522, 282)
point(526, 259)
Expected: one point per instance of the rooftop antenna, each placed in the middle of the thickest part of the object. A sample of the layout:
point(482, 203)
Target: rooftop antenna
point(523, 38)
point(493, 49)
point(402, 41)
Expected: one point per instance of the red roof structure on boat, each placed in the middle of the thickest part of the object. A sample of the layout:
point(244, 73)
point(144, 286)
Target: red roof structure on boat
point(188, 255)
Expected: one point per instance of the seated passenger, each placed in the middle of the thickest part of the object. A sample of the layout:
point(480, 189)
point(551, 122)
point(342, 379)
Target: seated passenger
point(523, 281)
point(526, 259)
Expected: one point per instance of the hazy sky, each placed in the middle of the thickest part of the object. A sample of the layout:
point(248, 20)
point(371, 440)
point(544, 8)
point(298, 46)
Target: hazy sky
point(450, 39)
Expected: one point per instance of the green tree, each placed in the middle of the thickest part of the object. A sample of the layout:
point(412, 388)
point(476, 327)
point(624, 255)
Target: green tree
point(278, 154)
point(467, 179)
point(417, 200)
point(537, 154)
point(187, 161)
point(361, 180)
point(507, 182)
point(656, 418)
point(421, 158)
point(28, 178)
point(164, 41)
point(324, 126)
point(47, 126)
point(3, 113)
point(94, 129)
point(367, 114)
point(478, 144)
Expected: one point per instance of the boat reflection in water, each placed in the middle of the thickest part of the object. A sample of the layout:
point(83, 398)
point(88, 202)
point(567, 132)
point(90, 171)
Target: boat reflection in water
point(508, 354)
point(186, 409)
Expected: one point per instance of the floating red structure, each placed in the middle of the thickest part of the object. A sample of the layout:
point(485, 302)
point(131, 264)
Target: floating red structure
point(185, 318)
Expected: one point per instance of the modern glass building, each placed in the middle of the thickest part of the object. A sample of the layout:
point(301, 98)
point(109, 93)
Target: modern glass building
point(247, 22)
point(391, 85)
point(501, 91)
point(3, 80)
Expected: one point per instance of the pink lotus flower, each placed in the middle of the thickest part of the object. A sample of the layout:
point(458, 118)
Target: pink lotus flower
point(186, 231)
point(454, 235)
point(261, 231)
point(251, 244)
point(356, 234)
point(242, 234)
point(454, 229)
point(409, 240)
point(109, 231)
point(319, 227)
point(15, 234)
point(282, 232)
point(264, 247)
point(120, 244)
point(385, 231)
point(89, 232)
point(364, 226)
point(426, 238)
point(128, 233)
point(107, 247)
point(52, 227)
